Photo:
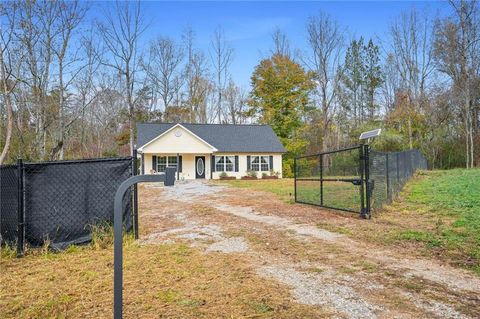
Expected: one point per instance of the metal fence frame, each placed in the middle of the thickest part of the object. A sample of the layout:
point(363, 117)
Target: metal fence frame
point(17, 236)
point(361, 181)
point(381, 176)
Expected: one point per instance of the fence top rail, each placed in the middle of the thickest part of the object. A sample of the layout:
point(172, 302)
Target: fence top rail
point(8, 166)
point(76, 161)
point(396, 152)
point(330, 152)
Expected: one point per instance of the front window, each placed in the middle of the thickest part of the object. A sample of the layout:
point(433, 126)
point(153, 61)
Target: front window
point(265, 167)
point(260, 163)
point(165, 161)
point(224, 163)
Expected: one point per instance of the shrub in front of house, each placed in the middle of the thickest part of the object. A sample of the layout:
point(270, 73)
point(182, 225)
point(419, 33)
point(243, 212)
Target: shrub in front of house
point(250, 175)
point(224, 176)
point(273, 175)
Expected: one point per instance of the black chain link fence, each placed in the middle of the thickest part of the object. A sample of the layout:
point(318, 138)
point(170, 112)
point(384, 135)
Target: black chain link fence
point(355, 179)
point(60, 201)
point(390, 171)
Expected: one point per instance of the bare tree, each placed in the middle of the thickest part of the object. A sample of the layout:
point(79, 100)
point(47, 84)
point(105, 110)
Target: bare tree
point(325, 39)
point(36, 30)
point(201, 89)
point(86, 86)
point(457, 52)
point(196, 74)
point(7, 69)
point(281, 44)
point(391, 83)
point(121, 32)
point(221, 56)
point(70, 16)
point(235, 99)
point(163, 69)
point(412, 51)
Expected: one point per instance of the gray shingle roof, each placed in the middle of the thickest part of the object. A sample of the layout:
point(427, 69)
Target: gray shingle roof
point(224, 137)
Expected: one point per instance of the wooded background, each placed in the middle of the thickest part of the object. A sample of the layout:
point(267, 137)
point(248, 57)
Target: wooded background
point(72, 88)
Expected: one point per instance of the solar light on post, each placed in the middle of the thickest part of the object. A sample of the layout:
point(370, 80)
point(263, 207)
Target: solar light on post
point(370, 134)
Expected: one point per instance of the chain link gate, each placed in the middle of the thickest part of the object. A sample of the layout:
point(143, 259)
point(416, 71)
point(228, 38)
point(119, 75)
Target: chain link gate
point(354, 179)
point(336, 179)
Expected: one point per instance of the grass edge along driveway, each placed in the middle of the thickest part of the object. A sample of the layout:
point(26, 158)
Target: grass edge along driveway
point(437, 214)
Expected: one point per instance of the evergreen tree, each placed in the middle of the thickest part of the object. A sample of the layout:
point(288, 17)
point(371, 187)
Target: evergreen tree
point(361, 78)
point(373, 78)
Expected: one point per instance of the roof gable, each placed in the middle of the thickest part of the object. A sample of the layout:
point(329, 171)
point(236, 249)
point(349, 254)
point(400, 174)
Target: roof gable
point(181, 129)
point(223, 137)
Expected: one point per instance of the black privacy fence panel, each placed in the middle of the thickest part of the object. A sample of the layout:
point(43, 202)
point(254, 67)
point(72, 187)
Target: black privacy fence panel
point(390, 171)
point(355, 179)
point(8, 203)
point(62, 200)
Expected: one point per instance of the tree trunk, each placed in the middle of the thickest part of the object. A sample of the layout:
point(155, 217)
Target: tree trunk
point(8, 103)
point(410, 134)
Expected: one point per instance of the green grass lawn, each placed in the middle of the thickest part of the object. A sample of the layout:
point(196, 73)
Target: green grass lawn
point(450, 200)
point(282, 187)
point(438, 211)
point(336, 194)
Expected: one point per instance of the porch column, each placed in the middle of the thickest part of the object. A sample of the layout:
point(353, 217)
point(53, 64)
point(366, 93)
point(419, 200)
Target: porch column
point(178, 167)
point(143, 164)
point(211, 166)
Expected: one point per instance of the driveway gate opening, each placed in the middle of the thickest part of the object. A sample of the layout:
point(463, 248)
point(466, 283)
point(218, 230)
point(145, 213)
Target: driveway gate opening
point(336, 179)
point(354, 179)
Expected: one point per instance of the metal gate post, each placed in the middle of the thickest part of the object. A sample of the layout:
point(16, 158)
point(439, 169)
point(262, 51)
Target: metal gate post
point(362, 179)
point(20, 208)
point(135, 195)
point(117, 234)
point(295, 179)
point(368, 183)
point(387, 174)
point(321, 179)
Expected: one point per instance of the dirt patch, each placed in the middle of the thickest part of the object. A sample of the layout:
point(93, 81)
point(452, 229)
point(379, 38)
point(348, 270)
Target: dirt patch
point(322, 267)
point(311, 289)
point(230, 245)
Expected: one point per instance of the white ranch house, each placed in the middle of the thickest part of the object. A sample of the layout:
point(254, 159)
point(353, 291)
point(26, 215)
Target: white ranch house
point(204, 151)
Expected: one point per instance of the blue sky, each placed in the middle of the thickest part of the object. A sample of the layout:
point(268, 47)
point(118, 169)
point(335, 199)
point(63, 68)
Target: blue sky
point(248, 25)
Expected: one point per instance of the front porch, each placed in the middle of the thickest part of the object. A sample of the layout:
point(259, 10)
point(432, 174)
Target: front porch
point(189, 166)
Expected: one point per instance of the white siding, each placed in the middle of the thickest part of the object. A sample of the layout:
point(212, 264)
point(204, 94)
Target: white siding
point(170, 143)
point(188, 164)
point(242, 164)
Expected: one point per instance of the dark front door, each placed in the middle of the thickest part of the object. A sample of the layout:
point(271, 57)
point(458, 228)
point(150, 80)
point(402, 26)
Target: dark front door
point(199, 166)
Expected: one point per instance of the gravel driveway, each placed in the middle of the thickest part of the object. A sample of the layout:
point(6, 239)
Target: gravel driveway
point(351, 278)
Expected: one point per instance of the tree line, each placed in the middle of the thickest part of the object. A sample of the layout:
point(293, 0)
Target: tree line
point(72, 87)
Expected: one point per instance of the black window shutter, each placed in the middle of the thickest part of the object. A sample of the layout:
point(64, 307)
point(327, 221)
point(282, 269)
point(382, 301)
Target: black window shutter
point(213, 163)
point(154, 163)
point(248, 162)
point(236, 163)
point(271, 162)
point(180, 163)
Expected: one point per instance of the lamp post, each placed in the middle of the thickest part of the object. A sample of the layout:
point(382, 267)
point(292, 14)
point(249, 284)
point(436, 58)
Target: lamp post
point(168, 178)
